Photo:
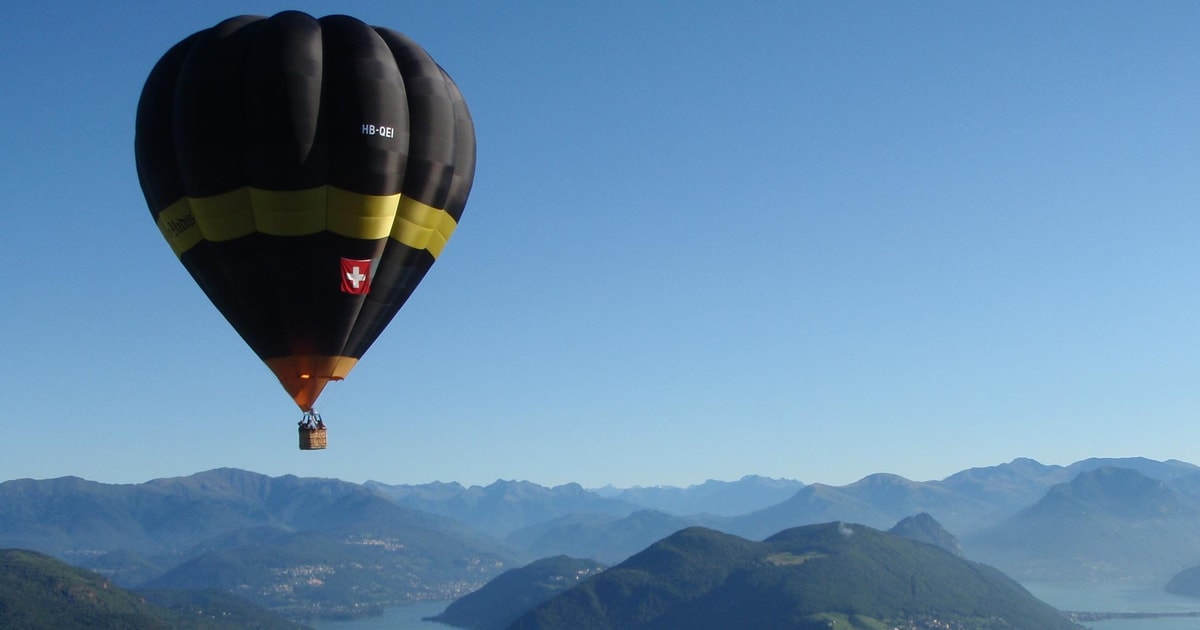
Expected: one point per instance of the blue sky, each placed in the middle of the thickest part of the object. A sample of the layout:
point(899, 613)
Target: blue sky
point(812, 240)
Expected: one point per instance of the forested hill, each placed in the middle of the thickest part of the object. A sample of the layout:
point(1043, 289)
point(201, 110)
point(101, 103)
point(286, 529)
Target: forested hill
point(507, 597)
point(38, 592)
point(803, 578)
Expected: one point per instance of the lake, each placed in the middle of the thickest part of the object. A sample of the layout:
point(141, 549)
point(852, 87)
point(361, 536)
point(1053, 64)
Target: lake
point(1117, 598)
point(1078, 597)
point(394, 618)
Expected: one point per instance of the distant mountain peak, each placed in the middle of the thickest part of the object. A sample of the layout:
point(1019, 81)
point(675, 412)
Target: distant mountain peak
point(1105, 523)
point(1120, 492)
point(924, 528)
point(718, 498)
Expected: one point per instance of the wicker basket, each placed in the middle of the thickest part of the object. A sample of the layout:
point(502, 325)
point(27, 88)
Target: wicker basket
point(313, 439)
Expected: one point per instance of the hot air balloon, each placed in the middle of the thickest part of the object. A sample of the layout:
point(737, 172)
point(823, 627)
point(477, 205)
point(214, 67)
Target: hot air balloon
point(307, 173)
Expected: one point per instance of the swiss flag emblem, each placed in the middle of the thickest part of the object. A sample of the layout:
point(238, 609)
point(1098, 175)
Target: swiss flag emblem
point(356, 276)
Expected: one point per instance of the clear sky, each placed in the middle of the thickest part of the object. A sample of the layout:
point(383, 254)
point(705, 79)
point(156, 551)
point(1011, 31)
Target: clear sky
point(812, 240)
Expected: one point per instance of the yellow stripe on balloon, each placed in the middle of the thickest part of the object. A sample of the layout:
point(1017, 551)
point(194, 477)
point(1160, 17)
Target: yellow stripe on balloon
point(178, 226)
point(290, 212)
point(361, 216)
point(422, 227)
point(226, 216)
point(248, 210)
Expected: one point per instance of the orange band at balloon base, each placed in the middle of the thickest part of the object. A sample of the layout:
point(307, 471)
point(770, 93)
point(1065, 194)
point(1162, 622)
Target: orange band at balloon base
point(304, 377)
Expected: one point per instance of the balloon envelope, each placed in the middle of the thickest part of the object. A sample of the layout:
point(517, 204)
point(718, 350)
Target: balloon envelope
point(307, 173)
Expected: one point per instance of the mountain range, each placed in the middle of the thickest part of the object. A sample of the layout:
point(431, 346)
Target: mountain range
point(323, 547)
point(307, 547)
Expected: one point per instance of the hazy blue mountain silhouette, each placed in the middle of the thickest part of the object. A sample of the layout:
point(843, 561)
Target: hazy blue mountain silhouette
point(713, 497)
point(502, 507)
point(1106, 523)
point(602, 538)
point(924, 528)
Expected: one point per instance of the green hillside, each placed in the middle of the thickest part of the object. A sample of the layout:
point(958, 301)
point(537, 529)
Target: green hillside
point(38, 592)
point(807, 577)
point(513, 592)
